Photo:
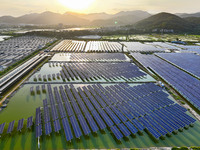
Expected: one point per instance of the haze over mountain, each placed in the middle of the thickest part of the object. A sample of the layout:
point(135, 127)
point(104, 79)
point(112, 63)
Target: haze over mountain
point(138, 19)
point(185, 15)
point(71, 18)
point(123, 18)
point(166, 21)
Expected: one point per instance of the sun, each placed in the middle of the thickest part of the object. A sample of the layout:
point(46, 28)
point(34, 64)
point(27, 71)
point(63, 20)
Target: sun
point(76, 4)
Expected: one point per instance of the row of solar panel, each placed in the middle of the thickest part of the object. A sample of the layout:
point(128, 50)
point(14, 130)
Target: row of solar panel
point(19, 127)
point(126, 108)
point(97, 71)
point(187, 85)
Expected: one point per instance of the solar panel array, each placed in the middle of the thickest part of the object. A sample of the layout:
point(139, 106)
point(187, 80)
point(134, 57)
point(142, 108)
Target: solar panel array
point(69, 46)
point(123, 109)
point(184, 83)
point(98, 71)
point(186, 61)
point(15, 49)
point(103, 46)
point(140, 47)
point(98, 57)
point(165, 45)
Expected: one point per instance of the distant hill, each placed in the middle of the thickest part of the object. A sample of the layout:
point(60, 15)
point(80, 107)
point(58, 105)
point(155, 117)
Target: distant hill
point(71, 18)
point(185, 15)
point(46, 18)
point(122, 18)
point(194, 20)
point(165, 21)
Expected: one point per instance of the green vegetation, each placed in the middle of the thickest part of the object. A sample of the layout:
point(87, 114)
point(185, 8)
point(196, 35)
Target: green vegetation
point(165, 21)
point(195, 148)
point(190, 39)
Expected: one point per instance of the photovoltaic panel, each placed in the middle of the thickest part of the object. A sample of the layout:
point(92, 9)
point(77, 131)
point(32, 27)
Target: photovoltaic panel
point(29, 122)
point(11, 127)
point(2, 128)
point(124, 130)
point(57, 126)
point(92, 123)
point(116, 132)
point(75, 127)
point(48, 128)
point(38, 131)
point(84, 124)
point(20, 125)
point(67, 129)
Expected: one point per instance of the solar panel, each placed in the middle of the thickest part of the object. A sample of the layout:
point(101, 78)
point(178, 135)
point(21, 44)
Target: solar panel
point(112, 115)
point(11, 127)
point(99, 120)
point(54, 112)
point(2, 128)
point(75, 127)
point(131, 127)
point(124, 130)
point(67, 129)
point(116, 132)
point(91, 122)
point(48, 128)
point(84, 124)
point(38, 116)
point(29, 122)
point(38, 131)
point(46, 114)
point(57, 127)
point(107, 119)
point(45, 103)
point(62, 110)
point(20, 125)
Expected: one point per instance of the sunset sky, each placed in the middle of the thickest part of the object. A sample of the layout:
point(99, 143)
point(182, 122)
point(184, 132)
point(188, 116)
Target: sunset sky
point(21, 7)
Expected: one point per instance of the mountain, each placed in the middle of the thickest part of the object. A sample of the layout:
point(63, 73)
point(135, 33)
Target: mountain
point(139, 13)
point(122, 18)
point(92, 16)
point(71, 18)
point(194, 20)
point(46, 18)
point(185, 15)
point(165, 21)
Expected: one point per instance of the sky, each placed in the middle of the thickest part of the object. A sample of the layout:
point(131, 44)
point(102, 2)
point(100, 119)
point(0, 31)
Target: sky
point(21, 7)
